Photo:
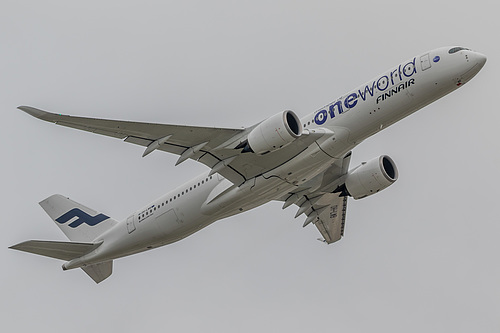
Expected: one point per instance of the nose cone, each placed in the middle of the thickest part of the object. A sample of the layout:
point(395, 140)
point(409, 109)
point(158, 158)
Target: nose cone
point(480, 59)
point(475, 63)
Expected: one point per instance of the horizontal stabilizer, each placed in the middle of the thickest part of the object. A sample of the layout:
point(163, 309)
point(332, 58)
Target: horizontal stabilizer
point(99, 272)
point(58, 250)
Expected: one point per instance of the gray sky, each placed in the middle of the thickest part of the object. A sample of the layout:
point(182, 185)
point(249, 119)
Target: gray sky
point(420, 256)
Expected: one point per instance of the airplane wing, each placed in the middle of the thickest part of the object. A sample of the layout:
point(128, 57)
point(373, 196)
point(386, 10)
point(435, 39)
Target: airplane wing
point(325, 207)
point(330, 219)
point(214, 147)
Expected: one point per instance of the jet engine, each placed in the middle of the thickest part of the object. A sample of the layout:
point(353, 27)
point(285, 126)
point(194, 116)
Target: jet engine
point(274, 133)
point(371, 177)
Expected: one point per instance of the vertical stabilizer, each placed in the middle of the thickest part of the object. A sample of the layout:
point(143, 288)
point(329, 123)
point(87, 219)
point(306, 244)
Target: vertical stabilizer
point(79, 223)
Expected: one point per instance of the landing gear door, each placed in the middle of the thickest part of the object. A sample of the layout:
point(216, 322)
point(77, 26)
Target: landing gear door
point(130, 224)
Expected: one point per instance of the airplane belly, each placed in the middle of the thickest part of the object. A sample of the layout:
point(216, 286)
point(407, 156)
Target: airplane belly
point(304, 167)
point(253, 193)
point(232, 200)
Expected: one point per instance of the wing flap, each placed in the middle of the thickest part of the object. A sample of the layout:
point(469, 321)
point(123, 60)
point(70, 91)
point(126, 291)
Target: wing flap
point(138, 141)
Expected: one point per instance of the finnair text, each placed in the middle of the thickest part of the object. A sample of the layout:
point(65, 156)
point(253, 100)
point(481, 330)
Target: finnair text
point(393, 82)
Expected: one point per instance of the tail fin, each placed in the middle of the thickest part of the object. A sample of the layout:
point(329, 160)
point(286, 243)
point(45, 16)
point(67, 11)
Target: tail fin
point(79, 223)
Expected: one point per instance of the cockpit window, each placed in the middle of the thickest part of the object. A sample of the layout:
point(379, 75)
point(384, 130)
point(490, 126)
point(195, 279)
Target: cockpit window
point(456, 49)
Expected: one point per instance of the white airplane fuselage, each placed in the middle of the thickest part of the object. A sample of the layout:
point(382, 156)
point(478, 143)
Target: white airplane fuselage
point(352, 118)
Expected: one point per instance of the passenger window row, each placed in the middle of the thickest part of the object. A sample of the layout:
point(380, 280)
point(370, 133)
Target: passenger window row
point(148, 212)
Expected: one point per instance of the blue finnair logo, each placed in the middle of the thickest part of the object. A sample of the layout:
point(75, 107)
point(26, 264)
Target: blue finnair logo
point(82, 217)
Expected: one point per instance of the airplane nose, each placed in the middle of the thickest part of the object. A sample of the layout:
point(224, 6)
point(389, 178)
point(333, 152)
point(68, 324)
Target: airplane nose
point(475, 64)
point(480, 59)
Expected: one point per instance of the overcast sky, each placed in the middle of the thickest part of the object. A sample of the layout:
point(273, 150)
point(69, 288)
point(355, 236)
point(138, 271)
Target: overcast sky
point(420, 256)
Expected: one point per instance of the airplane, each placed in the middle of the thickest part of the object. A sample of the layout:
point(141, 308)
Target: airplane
point(302, 162)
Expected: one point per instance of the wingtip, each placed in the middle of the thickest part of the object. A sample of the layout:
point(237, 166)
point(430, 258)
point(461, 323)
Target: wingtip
point(33, 111)
point(17, 246)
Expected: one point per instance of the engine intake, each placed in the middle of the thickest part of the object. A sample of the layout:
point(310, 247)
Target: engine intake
point(274, 133)
point(371, 177)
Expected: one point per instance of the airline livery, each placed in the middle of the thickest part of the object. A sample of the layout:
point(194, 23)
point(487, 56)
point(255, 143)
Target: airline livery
point(302, 162)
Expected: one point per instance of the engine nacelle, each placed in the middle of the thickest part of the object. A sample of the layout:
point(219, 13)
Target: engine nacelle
point(371, 177)
point(274, 133)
